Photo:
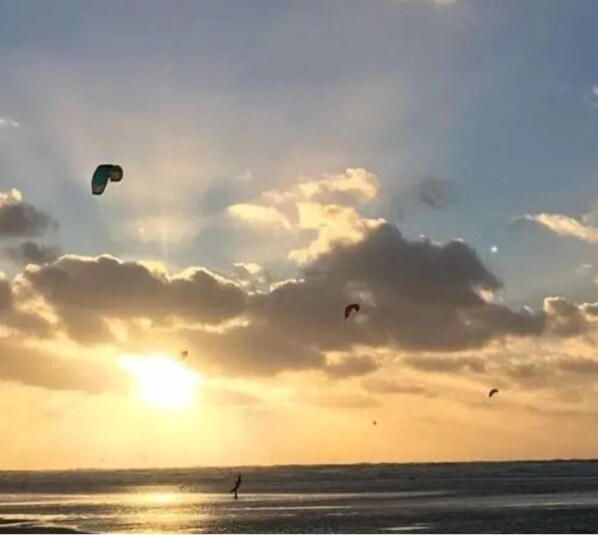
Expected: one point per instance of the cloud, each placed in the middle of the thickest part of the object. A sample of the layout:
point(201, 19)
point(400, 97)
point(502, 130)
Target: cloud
point(20, 219)
point(15, 316)
point(9, 122)
point(378, 385)
point(591, 97)
point(352, 186)
point(30, 252)
point(566, 226)
point(425, 302)
point(261, 216)
point(336, 225)
point(252, 350)
point(420, 287)
point(434, 192)
point(251, 275)
point(565, 318)
point(445, 364)
point(429, 191)
point(322, 204)
point(86, 290)
point(351, 366)
point(417, 296)
point(583, 366)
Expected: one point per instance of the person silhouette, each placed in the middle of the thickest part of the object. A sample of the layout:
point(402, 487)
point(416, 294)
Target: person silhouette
point(235, 489)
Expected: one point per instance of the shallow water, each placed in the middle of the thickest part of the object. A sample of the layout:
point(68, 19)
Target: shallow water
point(456, 498)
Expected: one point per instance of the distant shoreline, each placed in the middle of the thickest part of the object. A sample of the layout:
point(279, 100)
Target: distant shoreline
point(310, 465)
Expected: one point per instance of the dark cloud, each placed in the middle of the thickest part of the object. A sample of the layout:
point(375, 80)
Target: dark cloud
point(30, 252)
point(86, 290)
point(591, 309)
point(352, 366)
point(429, 191)
point(566, 318)
point(14, 317)
point(416, 296)
point(21, 219)
point(252, 350)
point(378, 385)
point(582, 366)
point(435, 192)
point(424, 296)
point(556, 372)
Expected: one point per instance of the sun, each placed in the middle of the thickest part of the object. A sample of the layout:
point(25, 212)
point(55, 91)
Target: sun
point(163, 383)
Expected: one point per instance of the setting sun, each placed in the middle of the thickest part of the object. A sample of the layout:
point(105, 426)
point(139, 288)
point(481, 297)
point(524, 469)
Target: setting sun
point(163, 382)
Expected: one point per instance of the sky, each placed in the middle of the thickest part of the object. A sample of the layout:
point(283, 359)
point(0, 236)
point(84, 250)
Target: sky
point(435, 161)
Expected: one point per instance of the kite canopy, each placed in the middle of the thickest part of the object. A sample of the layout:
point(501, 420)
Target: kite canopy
point(184, 354)
point(350, 308)
point(492, 392)
point(116, 173)
point(103, 174)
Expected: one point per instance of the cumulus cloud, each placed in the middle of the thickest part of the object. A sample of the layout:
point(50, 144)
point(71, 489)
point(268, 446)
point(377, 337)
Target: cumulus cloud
point(21, 219)
point(431, 299)
point(566, 226)
point(428, 304)
point(86, 290)
point(354, 185)
point(30, 252)
point(335, 224)
point(325, 205)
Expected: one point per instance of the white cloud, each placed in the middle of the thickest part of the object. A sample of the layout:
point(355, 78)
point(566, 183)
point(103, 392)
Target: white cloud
point(260, 215)
point(9, 122)
point(356, 185)
point(591, 97)
point(567, 226)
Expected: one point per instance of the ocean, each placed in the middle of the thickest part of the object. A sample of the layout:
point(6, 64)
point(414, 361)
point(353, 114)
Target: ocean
point(507, 497)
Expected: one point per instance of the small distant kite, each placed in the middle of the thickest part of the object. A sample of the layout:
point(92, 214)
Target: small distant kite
point(184, 354)
point(103, 174)
point(350, 308)
point(374, 422)
point(492, 392)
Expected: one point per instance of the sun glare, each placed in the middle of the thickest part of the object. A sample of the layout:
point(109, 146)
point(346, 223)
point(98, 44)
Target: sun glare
point(163, 382)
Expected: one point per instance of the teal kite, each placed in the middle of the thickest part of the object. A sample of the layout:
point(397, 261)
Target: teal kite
point(103, 174)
